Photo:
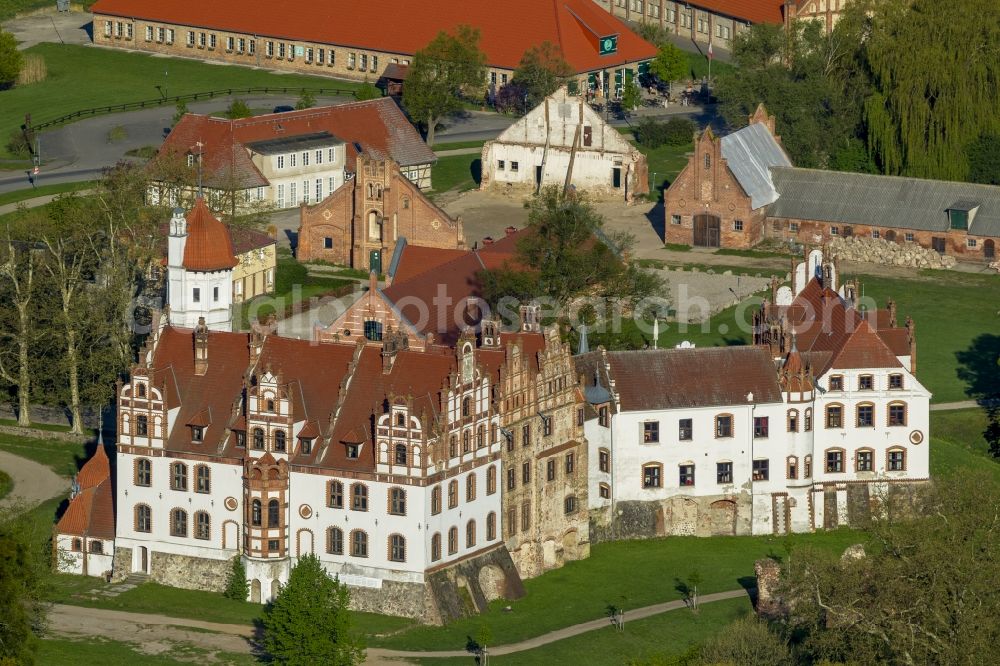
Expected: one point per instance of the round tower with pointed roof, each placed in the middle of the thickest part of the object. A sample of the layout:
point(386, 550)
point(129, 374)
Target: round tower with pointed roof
point(200, 261)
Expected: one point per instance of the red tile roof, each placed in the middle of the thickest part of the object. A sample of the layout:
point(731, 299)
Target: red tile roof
point(416, 260)
point(91, 512)
point(209, 246)
point(378, 126)
point(507, 29)
point(754, 11)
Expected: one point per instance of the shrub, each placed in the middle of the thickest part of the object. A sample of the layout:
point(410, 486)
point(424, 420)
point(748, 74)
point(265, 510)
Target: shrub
point(238, 109)
point(180, 109)
point(18, 146)
point(307, 100)
point(675, 132)
point(33, 70)
point(510, 98)
point(367, 91)
point(679, 131)
point(236, 585)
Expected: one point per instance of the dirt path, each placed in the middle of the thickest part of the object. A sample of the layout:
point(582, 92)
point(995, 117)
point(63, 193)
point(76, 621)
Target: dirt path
point(949, 406)
point(150, 634)
point(33, 482)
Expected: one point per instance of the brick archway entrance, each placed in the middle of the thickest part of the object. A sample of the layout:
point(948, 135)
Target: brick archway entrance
point(707, 230)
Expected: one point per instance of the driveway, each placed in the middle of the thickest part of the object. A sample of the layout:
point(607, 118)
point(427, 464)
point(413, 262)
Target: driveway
point(33, 482)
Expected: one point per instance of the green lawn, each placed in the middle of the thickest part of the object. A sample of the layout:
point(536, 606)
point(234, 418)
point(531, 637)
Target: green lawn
point(293, 285)
point(95, 650)
point(82, 77)
point(626, 573)
point(63, 457)
point(457, 145)
point(8, 8)
point(6, 484)
point(664, 164)
point(699, 66)
point(667, 635)
point(461, 172)
point(31, 193)
point(957, 443)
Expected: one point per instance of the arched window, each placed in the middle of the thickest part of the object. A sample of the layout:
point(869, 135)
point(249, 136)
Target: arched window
point(397, 548)
point(865, 415)
point(335, 495)
point(203, 479)
point(400, 454)
point(178, 523)
point(452, 494)
point(835, 416)
point(436, 547)
point(359, 544)
point(335, 541)
point(491, 526)
point(896, 414)
point(359, 497)
point(436, 500)
point(470, 534)
point(141, 425)
point(401, 419)
point(279, 440)
point(143, 472)
point(452, 540)
point(834, 461)
point(255, 513)
point(202, 525)
point(143, 518)
point(470, 487)
point(466, 442)
point(179, 478)
point(141, 390)
point(258, 438)
point(792, 467)
point(397, 501)
point(273, 513)
point(491, 479)
point(864, 460)
point(466, 406)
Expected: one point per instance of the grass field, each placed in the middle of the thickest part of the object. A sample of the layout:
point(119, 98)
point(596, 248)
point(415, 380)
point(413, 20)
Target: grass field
point(628, 574)
point(457, 145)
point(664, 164)
point(63, 457)
point(31, 193)
point(9, 8)
point(957, 443)
point(662, 636)
point(82, 77)
point(461, 172)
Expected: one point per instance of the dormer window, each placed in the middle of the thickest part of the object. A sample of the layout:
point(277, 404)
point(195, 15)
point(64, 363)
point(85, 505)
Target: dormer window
point(197, 434)
point(353, 451)
point(961, 213)
point(305, 445)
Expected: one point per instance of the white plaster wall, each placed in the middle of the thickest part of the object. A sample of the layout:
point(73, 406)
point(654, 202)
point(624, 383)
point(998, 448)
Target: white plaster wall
point(70, 561)
point(184, 312)
point(598, 437)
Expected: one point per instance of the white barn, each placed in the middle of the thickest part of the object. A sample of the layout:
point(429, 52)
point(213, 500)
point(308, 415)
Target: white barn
point(564, 142)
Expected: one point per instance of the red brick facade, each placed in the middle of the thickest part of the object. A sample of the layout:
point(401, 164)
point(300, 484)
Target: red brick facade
point(368, 214)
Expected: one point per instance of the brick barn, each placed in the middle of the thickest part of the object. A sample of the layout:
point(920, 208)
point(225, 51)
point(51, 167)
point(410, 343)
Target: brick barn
point(742, 188)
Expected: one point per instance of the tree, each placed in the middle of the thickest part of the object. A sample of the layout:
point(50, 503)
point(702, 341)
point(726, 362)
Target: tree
point(238, 109)
point(307, 99)
point(984, 160)
point(367, 91)
point(450, 67)
point(309, 622)
point(512, 98)
point(670, 64)
point(923, 592)
point(746, 642)
point(631, 96)
point(484, 637)
point(236, 585)
point(23, 561)
point(11, 60)
point(180, 110)
point(18, 288)
point(541, 71)
point(561, 257)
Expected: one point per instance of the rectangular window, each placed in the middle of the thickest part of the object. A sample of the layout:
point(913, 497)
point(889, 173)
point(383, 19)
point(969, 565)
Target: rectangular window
point(196, 295)
point(550, 470)
point(280, 162)
point(215, 294)
point(269, 49)
point(320, 56)
point(190, 38)
point(604, 461)
point(211, 41)
point(305, 191)
point(760, 426)
point(834, 462)
point(281, 196)
point(834, 231)
point(107, 28)
point(526, 473)
point(724, 426)
point(836, 383)
point(511, 479)
point(897, 415)
point(309, 55)
point(305, 158)
point(834, 416)
point(161, 34)
point(330, 185)
point(895, 382)
point(526, 435)
point(971, 242)
point(319, 157)
point(684, 430)
point(724, 472)
point(149, 33)
point(737, 225)
point(876, 233)
point(128, 31)
point(291, 51)
point(229, 43)
point(760, 470)
point(793, 227)
point(651, 432)
point(500, 165)
point(350, 60)
point(675, 219)
point(292, 200)
point(866, 416)
point(570, 463)
point(866, 383)
point(513, 166)
point(863, 461)
point(170, 36)
point(281, 49)
point(525, 516)
point(651, 476)
point(503, 78)
point(363, 62)
point(897, 461)
point(605, 491)
point(319, 190)
point(686, 475)
point(251, 46)
point(241, 45)
point(374, 63)
point(201, 40)
point(546, 426)
point(908, 238)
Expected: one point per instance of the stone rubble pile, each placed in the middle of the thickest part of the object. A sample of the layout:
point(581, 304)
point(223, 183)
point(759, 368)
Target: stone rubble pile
point(888, 253)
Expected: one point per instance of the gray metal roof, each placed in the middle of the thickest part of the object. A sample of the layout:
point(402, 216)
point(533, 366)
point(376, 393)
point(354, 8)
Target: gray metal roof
point(882, 201)
point(750, 153)
point(287, 144)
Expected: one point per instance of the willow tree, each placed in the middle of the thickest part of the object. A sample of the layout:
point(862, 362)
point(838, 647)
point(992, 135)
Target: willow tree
point(934, 68)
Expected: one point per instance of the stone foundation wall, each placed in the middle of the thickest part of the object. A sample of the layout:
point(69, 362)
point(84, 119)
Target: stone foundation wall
point(122, 566)
point(888, 253)
point(466, 588)
point(714, 515)
point(189, 573)
point(412, 600)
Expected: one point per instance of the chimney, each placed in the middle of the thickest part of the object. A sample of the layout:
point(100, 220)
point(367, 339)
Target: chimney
point(891, 307)
point(530, 315)
point(392, 343)
point(510, 231)
point(201, 348)
point(488, 241)
point(911, 337)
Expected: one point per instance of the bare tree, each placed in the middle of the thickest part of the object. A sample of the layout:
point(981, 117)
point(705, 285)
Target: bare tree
point(18, 274)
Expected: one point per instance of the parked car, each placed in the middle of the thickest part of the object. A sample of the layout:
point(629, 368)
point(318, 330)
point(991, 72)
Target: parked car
point(284, 108)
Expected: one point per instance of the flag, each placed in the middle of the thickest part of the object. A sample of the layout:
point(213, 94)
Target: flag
point(711, 54)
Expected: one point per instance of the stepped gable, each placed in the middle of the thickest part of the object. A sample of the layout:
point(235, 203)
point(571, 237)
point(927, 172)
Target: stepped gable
point(209, 246)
